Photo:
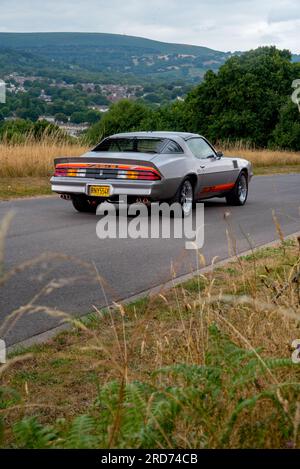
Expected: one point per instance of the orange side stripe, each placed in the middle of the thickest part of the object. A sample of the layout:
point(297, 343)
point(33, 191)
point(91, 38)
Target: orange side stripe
point(218, 188)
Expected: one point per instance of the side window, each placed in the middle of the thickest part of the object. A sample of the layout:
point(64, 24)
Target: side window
point(200, 148)
point(172, 147)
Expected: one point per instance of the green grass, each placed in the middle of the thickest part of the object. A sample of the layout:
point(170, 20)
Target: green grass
point(270, 170)
point(24, 187)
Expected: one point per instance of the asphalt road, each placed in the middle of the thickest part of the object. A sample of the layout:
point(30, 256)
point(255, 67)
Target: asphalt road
point(50, 225)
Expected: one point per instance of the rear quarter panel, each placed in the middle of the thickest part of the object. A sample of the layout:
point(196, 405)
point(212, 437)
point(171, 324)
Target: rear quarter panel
point(174, 168)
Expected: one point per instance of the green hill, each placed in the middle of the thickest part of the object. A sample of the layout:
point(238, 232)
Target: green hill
point(108, 53)
point(111, 57)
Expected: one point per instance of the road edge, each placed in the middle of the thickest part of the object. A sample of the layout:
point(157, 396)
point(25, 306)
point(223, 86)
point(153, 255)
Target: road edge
point(47, 335)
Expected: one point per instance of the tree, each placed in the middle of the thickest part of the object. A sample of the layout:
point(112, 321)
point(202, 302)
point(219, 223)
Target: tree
point(44, 128)
point(170, 117)
point(287, 132)
point(61, 117)
point(123, 116)
point(99, 99)
point(92, 116)
point(152, 98)
point(78, 117)
point(15, 131)
point(243, 100)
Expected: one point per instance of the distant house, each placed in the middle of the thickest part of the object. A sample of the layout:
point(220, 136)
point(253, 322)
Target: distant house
point(99, 108)
point(49, 119)
point(74, 130)
point(45, 97)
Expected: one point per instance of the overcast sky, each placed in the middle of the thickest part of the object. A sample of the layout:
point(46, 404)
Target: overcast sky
point(222, 25)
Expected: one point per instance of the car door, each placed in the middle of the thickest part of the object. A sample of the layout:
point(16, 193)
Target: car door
point(215, 173)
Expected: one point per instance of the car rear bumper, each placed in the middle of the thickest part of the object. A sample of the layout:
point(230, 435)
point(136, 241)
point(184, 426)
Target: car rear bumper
point(152, 189)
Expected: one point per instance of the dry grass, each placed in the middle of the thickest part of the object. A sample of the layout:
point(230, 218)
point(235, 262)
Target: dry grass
point(25, 169)
point(34, 159)
point(267, 158)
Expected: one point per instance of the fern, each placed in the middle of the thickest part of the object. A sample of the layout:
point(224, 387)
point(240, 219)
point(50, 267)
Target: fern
point(250, 404)
point(146, 415)
point(80, 435)
point(31, 434)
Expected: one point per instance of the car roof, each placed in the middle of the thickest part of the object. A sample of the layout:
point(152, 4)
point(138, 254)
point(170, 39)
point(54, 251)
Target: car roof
point(184, 135)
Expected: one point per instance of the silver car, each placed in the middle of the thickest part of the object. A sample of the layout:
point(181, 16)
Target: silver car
point(149, 167)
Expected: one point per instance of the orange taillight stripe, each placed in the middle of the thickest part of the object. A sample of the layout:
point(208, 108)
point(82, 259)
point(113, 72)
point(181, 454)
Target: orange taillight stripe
point(74, 166)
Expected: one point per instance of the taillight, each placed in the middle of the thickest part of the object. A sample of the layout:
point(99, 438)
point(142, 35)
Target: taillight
point(60, 172)
point(69, 172)
point(102, 171)
point(139, 174)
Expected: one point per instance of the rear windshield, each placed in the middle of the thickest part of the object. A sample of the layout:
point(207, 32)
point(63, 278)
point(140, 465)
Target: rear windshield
point(137, 145)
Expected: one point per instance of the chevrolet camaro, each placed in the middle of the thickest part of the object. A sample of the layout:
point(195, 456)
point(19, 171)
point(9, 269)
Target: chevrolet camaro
point(150, 167)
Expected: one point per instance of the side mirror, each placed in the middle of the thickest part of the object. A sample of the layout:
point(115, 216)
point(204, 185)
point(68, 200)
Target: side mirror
point(220, 154)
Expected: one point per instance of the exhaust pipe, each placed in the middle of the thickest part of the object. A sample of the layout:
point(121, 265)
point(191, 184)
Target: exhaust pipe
point(144, 201)
point(65, 196)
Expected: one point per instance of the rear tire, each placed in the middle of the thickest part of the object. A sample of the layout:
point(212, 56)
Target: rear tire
point(239, 194)
point(82, 204)
point(185, 197)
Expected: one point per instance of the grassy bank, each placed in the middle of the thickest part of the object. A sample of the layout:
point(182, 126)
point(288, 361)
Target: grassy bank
point(24, 187)
point(35, 161)
point(204, 365)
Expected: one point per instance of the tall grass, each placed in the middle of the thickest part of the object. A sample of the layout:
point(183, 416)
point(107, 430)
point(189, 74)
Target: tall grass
point(35, 158)
point(266, 158)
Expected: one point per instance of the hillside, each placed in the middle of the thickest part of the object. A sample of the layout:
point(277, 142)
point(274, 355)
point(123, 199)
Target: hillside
point(106, 53)
point(108, 57)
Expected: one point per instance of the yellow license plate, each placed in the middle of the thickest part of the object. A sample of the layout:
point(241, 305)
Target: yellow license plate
point(99, 191)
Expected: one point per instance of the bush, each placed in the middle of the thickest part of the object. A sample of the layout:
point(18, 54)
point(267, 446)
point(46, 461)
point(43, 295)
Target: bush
point(20, 131)
point(287, 132)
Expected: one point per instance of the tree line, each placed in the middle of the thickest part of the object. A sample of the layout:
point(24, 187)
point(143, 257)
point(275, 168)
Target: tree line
point(247, 101)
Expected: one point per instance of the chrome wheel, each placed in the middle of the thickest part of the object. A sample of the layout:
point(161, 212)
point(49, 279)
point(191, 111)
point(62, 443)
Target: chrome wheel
point(242, 189)
point(186, 197)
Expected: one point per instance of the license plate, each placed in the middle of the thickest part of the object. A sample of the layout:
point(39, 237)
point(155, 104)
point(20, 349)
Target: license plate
point(99, 191)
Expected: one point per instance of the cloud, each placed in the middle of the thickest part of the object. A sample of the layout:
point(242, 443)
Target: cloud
point(223, 25)
point(286, 11)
